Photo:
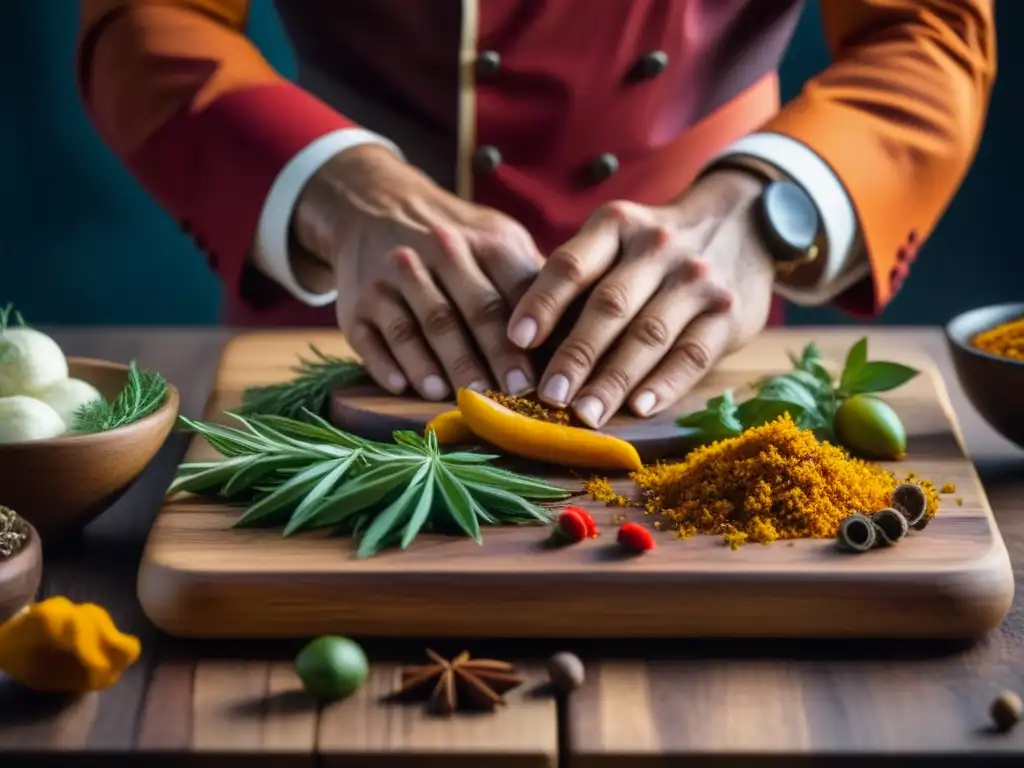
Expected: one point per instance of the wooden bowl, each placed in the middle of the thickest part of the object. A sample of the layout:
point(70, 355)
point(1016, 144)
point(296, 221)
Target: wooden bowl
point(993, 384)
point(20, 575)
point(60, 485)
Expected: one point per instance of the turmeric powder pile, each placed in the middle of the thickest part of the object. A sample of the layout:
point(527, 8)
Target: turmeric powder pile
point(775, 481)
point(1006, 340)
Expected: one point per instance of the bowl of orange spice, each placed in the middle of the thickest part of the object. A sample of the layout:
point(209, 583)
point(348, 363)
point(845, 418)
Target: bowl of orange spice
point(987, 345)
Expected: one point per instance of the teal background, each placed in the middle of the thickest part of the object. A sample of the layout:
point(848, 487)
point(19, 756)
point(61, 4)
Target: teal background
point(81, 243)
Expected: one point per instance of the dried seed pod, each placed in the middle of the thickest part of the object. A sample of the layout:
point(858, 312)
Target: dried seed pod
point(910, 499)
point(565, 671)
point(857, 533)
point(891, 524)
point(1006, 710)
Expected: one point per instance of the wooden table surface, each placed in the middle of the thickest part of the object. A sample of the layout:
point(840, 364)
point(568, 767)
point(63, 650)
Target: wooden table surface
point(645, 703)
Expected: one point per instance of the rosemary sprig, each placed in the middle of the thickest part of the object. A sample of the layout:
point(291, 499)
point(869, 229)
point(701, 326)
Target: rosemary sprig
point(308, 391)
point(143, 393)
point(309, 474)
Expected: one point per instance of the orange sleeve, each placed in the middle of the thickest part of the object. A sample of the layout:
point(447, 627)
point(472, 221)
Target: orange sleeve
point(180, 94)
point(898, 116)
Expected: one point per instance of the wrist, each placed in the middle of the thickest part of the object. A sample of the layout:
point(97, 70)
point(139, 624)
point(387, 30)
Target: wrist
point(324, 209)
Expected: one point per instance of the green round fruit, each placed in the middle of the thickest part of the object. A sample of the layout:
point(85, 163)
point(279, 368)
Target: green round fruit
point(331, 667)
point(869, 428)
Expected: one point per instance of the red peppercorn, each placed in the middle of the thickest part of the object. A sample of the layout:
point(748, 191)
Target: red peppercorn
point(592, 530)
point(572, 525)
point(635, 537)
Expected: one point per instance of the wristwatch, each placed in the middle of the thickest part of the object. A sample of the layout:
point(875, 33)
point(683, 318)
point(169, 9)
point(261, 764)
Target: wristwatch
point(785, 216)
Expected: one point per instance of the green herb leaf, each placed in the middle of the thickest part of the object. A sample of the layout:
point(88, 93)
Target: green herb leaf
point(143, 393)
point(878, 377)
point(312, 475)
point(308, 392)
point(855, 359)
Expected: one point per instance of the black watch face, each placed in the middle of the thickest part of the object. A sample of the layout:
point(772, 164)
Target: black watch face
point(790, 220)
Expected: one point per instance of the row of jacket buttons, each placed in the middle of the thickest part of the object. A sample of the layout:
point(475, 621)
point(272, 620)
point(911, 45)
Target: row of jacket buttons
point(487, 159)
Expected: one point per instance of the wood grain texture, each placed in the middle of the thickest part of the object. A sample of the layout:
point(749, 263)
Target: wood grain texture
point(201, 578)
point(147, 716)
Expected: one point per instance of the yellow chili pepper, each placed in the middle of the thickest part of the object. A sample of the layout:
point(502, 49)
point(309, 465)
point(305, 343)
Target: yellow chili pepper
point(58, 646)
point(542, 440)
point(450, 428)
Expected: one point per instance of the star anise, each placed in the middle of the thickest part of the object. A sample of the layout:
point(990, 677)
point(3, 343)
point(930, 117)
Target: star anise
point(460, 684)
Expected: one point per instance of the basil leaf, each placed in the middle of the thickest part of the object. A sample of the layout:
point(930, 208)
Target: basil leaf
point(718, 420)
point(788, 390)
point(855, 360)
point(878, 377)
point(756, 412)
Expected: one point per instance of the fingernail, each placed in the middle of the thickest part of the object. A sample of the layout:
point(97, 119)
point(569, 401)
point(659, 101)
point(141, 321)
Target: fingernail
point(434, 387)
point(524, 332)
point(516, 382)
point(479, 386)
point(557, 390)
point(396, 382)
point(644, 402)
point(590, 410)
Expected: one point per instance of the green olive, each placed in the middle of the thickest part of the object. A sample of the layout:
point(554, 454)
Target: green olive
point(870, 428)
point(331, 667)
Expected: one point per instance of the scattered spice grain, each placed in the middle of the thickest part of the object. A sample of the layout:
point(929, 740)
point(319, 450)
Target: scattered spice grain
point(1006, 710)
point(635, 537)
point(948, 488)
point(529, 406)
point(565, 671)
point(772, 482)
point(1006, 340)
point(959, 501)
point(891, 524)
point(600, 489)
point(857, 533)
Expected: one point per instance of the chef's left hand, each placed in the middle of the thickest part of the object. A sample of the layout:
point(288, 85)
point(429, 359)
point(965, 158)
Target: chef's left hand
point(674, 288)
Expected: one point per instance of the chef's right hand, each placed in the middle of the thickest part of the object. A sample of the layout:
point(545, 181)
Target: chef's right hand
point(421, 274)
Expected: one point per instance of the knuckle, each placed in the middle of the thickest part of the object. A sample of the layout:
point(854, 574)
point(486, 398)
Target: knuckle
point(616, 381)
point(579, 353)
point(440, 320)
point(490, 311)
point(464, 367)
point(611, 300)
point(694, 354)
point(617, 210)
point(568, 266)
point(401, 331)
point(650, 331)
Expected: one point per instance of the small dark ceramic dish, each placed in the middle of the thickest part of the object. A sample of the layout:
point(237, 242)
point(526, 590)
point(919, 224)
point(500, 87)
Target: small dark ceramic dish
point(994, 385)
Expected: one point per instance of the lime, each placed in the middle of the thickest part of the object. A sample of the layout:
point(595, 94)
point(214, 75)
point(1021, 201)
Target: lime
point(331, 667)
point(870, 428)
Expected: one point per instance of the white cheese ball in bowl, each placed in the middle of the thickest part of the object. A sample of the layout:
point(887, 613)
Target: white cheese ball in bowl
point(67, 396)
point(29, 361)
point(24, 418)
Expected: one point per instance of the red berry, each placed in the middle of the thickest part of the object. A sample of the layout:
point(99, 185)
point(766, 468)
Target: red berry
point(572, 525)
point(635, 537)
point(592, 530)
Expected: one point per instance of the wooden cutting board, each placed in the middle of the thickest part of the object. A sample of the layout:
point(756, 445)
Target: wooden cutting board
point(201, 578)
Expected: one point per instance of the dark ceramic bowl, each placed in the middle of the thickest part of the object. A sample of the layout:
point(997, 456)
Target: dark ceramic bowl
point(994, 385)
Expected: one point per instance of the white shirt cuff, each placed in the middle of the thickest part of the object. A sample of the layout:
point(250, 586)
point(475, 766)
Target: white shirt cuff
point(846, 260)
point(270, 251)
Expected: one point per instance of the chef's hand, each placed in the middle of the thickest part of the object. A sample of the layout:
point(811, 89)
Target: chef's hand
point(421, 274)
point(674, 288)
